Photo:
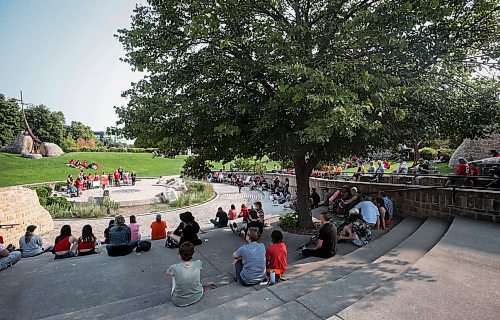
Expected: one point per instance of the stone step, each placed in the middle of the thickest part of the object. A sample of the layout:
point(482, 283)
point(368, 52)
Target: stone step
point(122, 307)
point(218, 296)
point(335, 294)
point(271, 297)
point(307, 277)
point(465, 261)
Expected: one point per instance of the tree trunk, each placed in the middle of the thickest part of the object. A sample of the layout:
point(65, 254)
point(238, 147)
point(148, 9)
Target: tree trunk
point(416, 154)
point(302, 172)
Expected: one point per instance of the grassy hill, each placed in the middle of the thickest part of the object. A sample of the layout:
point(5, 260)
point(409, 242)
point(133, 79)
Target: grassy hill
point(15, 170)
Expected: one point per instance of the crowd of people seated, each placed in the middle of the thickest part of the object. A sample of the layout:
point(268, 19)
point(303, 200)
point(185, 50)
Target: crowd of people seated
point(75, 187)
point(82, 165)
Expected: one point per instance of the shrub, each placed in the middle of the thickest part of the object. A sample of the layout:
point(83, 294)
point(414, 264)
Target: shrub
point(61, 209)
point(61, 201)
point(42, 191)
point(427, 153)
point(59, 185)
point(447, 152)
point(289, 221)
point(196, 167)
point(193, 196)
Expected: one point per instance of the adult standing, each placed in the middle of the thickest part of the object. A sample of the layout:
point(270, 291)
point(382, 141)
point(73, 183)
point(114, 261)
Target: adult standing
point(326, 246)
point(31, 244)
point(286, 186)
point(250, 260)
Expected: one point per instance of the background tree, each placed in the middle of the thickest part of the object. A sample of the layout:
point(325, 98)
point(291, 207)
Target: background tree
point(295, 80)
point(48, 126)
point(11, 120)
point(79, 130)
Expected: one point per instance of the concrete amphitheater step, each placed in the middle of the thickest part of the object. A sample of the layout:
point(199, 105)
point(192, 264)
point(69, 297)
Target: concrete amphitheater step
point(212, 298)
point(268, 298)
point(465, 263)
point(130, 305)
point(325, 300)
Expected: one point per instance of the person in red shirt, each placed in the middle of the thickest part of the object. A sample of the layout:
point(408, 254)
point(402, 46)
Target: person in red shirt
point(463, 169)
point(244, 213)
point(276, 255)
point(79, 185)
point(117, 178)
point(387, 164)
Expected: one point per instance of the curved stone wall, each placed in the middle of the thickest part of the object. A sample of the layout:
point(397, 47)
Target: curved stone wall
point(475, 149)
point(19, 205)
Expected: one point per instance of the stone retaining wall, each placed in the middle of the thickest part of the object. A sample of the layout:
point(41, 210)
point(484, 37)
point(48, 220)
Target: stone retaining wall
point(418, 200)
point(20, 206)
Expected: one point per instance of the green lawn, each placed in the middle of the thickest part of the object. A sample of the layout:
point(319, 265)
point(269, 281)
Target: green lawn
point(17, 170)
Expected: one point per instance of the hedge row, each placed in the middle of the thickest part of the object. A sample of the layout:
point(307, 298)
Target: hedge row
point(112, 149)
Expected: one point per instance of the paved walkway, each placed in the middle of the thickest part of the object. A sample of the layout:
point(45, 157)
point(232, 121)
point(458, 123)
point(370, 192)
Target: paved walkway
point(226, 195)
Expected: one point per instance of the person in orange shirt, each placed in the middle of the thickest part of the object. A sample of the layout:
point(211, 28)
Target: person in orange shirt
point(158, 228)
point(276, 255)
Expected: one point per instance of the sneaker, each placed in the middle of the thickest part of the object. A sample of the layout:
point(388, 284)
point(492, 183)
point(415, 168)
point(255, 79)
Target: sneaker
point(232, 227)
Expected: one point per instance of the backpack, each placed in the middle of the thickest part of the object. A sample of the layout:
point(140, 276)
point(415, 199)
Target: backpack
point(171, 244)
point(143, 246)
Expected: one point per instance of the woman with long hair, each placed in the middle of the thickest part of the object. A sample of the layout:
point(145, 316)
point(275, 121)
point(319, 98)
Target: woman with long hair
point(31, 244)
point(66, 245)
point(87, 242)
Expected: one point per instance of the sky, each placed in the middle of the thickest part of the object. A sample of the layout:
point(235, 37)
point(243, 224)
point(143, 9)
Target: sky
point(62, 53)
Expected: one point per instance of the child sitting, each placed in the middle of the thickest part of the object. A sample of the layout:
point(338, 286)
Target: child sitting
point(276, 255)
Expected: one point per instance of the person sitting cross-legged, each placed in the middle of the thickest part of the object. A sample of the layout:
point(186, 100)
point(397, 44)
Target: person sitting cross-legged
point(120, 243)
point(87, 242)
point(356, 229)
point(31, 244)
point(8, 259)
point(186, 284)
point(186, 231)
point(221, 219)
point(276, 255)
point(250, 260)
point(326, 246)
point(158, 228)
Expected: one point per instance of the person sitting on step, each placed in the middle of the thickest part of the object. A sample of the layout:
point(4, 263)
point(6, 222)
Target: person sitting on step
point(383, 215)
point(134, 228)
point(31, 244)
point(369, 212)
point(158, 228)
point(221, 218)
point(186, 231)
point(326, 245)
point(65, 245)
point(253, 222)
point(276, 255)
point(8, 259)
point(250, 258)
point(355, 229)
point(120, 243)
point(87, 242)
point(186, 284)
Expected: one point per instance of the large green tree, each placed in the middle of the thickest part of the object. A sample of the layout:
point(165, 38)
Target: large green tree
point(295, 80)
point(46, 125)
point(10, 120)
point(78, 130)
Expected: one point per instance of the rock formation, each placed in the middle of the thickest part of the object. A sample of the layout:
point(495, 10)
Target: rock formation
point(48, 149)
point(475, 149)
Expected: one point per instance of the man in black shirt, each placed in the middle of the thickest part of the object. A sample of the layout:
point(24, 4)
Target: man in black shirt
point(221, 219)
point(326, 246)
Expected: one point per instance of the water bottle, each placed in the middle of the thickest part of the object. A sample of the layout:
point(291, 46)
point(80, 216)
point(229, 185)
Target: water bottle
point(272, 277)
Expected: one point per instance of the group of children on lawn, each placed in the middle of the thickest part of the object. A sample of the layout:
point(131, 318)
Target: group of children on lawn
point(87, 181)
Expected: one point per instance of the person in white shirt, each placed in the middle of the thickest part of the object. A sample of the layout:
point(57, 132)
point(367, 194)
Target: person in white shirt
point(8, 259)
point(402, 168)
point(370, 212)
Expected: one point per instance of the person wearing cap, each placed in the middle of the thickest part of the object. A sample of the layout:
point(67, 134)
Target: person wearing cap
point(158, 228)
point(31, 244)
point(120, 243)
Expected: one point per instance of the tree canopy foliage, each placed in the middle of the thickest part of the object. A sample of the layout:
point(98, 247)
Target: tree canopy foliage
point(11, 119)
point(48, 126)
point(306, 80)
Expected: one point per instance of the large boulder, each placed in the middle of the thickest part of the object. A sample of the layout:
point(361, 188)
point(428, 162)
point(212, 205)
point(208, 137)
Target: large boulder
point(31, 155)
point(21, 144)
point(48, 149)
